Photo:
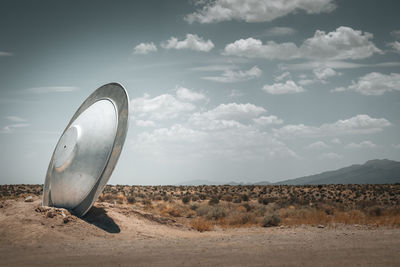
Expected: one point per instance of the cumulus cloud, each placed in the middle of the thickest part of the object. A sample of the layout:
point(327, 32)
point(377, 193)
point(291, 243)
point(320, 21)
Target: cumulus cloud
point(289, 87)
point(192, 42)
point(253, 48)
point(189, 95)
point(267, 120)
point(336, 141)
point(280, 31)
point(160, 107)
point(232, 111)
point(145, 48)
point(363, 144)
point(360, 124)
point(374, 83)
point(318, 145)
point(324, 73)
point(51, 89)
point(232, 143)
point(231, 76)
point(256, 10)
point(395, 46)
point(343, 43)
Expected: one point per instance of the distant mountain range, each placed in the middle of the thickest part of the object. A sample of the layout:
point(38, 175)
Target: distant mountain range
point(375, 171)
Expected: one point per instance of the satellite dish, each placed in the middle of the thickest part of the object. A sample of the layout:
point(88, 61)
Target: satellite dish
point(88, 150)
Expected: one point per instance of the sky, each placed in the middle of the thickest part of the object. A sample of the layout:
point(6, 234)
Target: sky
point(223, 90)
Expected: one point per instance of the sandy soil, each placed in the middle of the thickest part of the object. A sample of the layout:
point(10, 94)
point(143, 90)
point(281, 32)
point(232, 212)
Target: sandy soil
point(119, 236)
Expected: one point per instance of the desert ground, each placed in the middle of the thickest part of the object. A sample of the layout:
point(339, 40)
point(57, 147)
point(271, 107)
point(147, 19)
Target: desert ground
point(136, 228)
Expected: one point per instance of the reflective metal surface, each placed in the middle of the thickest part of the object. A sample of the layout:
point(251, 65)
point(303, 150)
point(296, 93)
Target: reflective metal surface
point(88, 150)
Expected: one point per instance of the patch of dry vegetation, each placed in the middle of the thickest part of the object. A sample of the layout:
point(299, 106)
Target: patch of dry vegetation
point(207, 207)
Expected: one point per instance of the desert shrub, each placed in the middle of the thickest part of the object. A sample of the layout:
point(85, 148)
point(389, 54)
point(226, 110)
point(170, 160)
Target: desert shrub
point(227, 197)
point(194, 206)
point(174, 212)
point(238, 218)
point(202, 225)
point(120, 199)
point(375, 211)
point(247, 207)
point(202, 210)
point(107, 198)
point(131, 199)
point(245, 197)
point(186, 199)
point(213, 201)
point(271, 220)
point(146, 201)
point(216, 212)
point(237, 200)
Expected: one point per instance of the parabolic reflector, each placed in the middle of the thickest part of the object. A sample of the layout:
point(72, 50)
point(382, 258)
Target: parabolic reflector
point(88, 150)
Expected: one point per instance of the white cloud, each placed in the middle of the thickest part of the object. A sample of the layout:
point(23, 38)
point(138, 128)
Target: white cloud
point(318, 145)
point(280, 31)
point(363, 144)
point(395, 46)
point(360, 124)
point(230, 76)
point(5, 54)
point(180, 141)
point(336, 141)
point(289, 87)
point(330, 155)
point(324, 73)
point(343, 43)
point(256, 10)
point(253, 48)
point(267, 120)
point(285, 75)
point(192, 42)
point(51, 89)
point(15, 118)
point(232, 111)
point(145, 48)
point(10, 128)
point(164, 106)
point(374, 83)
point(188, 95)
point(307, 81)
point(339, 89)
point(309, 65)
point(145, 123)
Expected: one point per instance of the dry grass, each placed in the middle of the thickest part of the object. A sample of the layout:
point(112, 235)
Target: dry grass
point(203, 207)
point(201, 225)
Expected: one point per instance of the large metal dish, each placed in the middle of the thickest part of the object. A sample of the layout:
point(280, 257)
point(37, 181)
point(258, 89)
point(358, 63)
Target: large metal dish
point(88, 150)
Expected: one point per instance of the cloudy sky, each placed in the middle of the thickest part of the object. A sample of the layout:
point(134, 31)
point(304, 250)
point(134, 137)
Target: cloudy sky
point(225, 90)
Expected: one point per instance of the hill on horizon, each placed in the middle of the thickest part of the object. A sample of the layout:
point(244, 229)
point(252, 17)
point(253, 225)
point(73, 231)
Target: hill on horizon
point(377, 171)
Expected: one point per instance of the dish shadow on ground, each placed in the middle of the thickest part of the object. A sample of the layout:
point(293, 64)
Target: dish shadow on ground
point(99, 218)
